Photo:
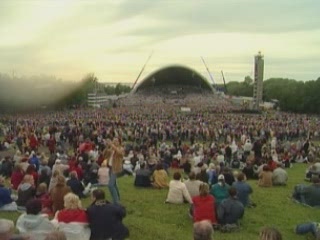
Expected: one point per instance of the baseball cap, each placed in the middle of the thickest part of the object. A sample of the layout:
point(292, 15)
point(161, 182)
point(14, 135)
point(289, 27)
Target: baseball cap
point(221, 177)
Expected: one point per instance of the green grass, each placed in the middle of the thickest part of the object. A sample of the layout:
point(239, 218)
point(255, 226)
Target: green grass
point(149, 218)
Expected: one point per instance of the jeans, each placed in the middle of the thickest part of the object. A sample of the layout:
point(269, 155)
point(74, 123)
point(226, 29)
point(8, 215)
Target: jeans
point(310, 227)
point(113, 188)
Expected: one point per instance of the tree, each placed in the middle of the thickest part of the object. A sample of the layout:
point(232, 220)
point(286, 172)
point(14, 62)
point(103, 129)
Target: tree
point(248, 80)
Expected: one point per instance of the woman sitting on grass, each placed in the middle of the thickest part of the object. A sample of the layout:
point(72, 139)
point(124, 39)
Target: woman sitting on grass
point(73, 220)
point(26, 191)
point(160, 177)
point(178, 192)
point(58, 192)
point(6, 202)
point(204, 206)
point(43, 195)
point(265, 177)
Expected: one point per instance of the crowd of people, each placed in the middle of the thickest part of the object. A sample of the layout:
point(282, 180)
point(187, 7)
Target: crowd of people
point(62, 157)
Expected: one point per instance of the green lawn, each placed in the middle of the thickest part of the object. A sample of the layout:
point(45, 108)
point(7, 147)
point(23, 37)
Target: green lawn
point(149, 218)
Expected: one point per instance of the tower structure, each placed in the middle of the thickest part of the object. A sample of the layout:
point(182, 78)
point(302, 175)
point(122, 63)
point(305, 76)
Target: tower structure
point(258, 80)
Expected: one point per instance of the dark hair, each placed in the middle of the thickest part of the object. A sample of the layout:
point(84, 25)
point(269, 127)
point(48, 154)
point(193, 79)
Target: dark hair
point(266, 168)
point(240, 177)
point(232, 191)
point(177, 176)
point(33, 206)
point(30, 169)
point(315, 179)
point(192, 176)
point(159, 166)
point(142, 165)
point(98, 194)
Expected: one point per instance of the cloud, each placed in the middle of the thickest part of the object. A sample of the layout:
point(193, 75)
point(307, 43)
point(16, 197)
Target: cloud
point(113, 38)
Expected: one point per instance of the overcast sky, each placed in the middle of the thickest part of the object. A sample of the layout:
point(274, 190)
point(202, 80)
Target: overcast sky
point(69, 38)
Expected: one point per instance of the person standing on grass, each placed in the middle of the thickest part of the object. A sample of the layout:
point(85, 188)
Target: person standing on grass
point(114, 155)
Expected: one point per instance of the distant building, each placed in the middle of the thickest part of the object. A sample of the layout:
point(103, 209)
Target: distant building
point(258, 80)
point(114, 84)
point(97, 100)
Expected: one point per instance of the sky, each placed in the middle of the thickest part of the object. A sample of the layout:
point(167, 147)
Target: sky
point(113, 39)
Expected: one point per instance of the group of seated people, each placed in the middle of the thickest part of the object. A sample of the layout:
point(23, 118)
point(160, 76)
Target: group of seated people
point(101, 220)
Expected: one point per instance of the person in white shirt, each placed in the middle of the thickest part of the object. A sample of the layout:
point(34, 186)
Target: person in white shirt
point(279, 176)
point(193, 185)
point(178, 192)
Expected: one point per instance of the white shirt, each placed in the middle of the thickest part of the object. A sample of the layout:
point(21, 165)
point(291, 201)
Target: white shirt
point(178, 192)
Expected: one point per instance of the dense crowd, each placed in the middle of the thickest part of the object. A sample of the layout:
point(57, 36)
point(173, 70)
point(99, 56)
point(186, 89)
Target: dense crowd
point(61, 157)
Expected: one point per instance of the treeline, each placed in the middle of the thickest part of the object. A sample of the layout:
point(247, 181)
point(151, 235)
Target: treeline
point(293, 96)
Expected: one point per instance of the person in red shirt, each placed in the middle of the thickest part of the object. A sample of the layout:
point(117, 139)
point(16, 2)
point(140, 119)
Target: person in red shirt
point(73, 220)
point(204, 206)
point(33, 142)
point(31, 170)
point(51, 143)
point(17, 176)
point(73, 211)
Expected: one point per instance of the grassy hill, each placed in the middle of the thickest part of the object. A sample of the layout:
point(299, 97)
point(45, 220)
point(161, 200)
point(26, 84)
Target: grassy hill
point(149, 218)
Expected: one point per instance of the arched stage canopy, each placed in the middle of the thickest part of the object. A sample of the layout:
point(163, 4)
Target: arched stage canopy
point(174, 75)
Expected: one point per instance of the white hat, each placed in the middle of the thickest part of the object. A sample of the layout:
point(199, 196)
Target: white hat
point(221, 177)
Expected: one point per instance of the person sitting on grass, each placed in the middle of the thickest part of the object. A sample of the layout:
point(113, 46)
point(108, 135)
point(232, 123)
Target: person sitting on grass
point(58, 192)
point(6, 202)
point(33, 222)
point(44, 196)
point(77, 186)
point(269, 233)
point(308, 194)
point(26, 191)
point(203, 230)
point(105, 219)
point(103, 174)
point(265, 177)
point(56, 236)
point(204, 206)
point(73, 220)
point(160, 177)
point(230, 211)
point(279, 176)
point(243, 189)
point(193, 185)
point(309, 227)
point(142, 178)
point(17, 176)
point(178, 192)
point(220, 190)
point(7, 229)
